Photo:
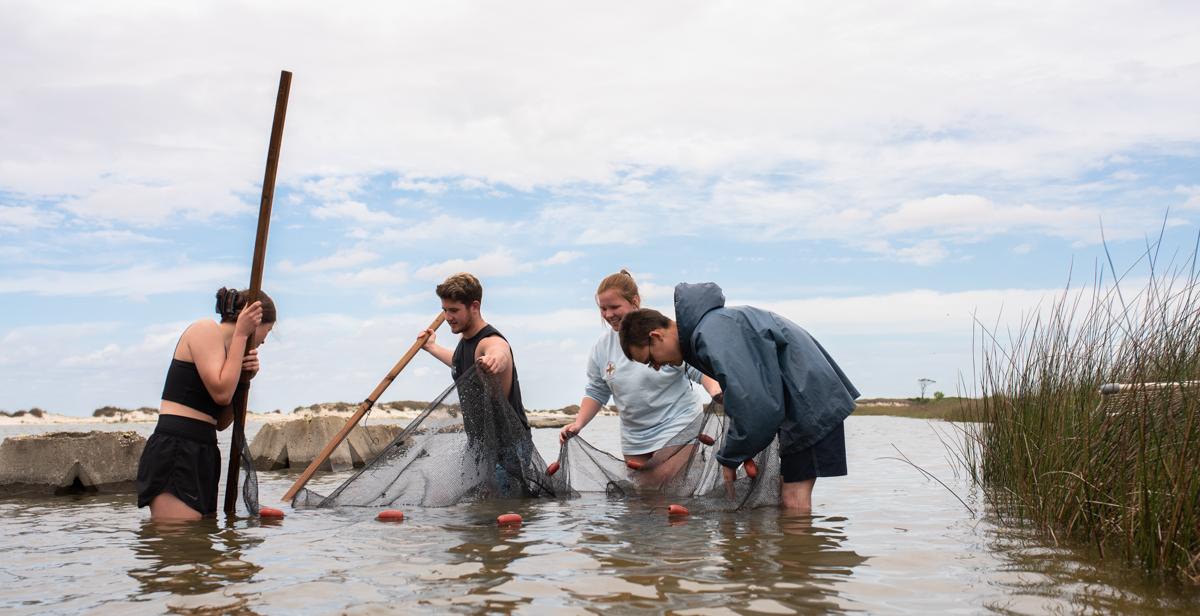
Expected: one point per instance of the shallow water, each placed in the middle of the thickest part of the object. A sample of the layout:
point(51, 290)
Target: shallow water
point(882, 540)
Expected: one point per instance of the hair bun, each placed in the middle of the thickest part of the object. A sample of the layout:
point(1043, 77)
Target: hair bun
point(227, 300)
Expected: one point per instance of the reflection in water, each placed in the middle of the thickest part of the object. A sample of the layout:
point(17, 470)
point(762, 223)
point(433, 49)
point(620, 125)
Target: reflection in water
point(97, 554)
point(799, 555)
point(190, 558)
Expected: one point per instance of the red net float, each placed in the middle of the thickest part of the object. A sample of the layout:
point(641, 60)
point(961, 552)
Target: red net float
point(706, 439)
point(390, 515)
point(509, 519)
point(677, 510)
point(751, 469)
point(553, 468)
point(634, 465)
point(269, 512)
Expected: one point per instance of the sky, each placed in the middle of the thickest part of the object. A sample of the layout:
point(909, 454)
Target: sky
point(883, 174)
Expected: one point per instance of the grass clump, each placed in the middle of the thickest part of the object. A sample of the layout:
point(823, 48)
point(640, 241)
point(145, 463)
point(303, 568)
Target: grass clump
point(1118, 470)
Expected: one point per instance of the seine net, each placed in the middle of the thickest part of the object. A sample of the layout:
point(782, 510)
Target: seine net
point(470, 444)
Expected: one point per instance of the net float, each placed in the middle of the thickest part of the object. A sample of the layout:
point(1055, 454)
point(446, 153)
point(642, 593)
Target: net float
point(706, 439)
point(269, 512)
point(390, 515)
point(751, 469)
point(677, 510)
point(508, 519)
point(634, 465)
point(553, 468)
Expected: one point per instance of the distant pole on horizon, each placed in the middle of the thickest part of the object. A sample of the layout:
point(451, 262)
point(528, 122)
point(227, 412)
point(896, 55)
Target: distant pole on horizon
point(242, 395)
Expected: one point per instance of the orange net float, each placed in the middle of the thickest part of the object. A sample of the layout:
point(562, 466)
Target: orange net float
point(634, 465)
point(390, 515)
point(553, 468)
point(269, 512)
point(677, 510)
point(706, 439)
point(751, 468)
point(508, 519)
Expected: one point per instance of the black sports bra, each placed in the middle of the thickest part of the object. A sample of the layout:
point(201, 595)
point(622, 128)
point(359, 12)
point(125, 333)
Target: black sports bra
point(185, 387)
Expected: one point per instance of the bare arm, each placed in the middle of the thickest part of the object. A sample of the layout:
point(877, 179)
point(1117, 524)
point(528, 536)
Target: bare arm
point(712, 387)
point(221, 368)
point(494, 355)
point(444, 355)
point(588, 408)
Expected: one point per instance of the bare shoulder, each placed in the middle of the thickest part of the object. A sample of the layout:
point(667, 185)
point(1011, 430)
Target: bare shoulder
point(491, 343)
point(199, 335)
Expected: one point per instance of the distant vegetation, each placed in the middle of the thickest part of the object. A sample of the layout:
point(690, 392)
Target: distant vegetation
point(939, 407)
point(114, 411)
point(1121, 472)
point(33, 412)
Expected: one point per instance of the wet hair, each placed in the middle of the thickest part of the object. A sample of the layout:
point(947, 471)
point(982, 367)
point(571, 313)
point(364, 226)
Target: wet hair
point(622, 282)
point(461, 287)
point(231, 301)
point(637, 325)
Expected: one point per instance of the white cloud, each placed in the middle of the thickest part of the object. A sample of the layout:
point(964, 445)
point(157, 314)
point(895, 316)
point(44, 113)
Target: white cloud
point(353, 210)
point(718, 92)
point(138, 281)
point(342, 259)
point(432, 187)
point(388, 276)
point(925, 252)
point(499, 262)
point(443, 227)
point(22, 217)
point(921, 311)
point(149, 204)
point(562, 257)
point(334, 188)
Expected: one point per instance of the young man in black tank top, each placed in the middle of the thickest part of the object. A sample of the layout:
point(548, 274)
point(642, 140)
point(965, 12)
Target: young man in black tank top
point(498, 433)
point(481, 344)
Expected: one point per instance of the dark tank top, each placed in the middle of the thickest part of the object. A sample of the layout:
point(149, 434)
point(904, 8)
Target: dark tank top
point(464, 358)
point(184, 386)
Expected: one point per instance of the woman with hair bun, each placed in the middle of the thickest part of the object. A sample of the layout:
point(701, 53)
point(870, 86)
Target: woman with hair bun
point(654, 406)
point(180, 468)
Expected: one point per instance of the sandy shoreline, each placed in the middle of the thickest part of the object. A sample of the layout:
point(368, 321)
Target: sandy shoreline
point(137, 417)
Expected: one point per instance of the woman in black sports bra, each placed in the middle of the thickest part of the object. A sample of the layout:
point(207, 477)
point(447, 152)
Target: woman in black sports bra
point(180, 468)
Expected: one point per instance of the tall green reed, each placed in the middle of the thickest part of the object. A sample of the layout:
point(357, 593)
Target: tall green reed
point(1119, 471)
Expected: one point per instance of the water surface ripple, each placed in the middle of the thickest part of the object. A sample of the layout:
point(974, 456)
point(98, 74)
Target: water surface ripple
point(883, 540)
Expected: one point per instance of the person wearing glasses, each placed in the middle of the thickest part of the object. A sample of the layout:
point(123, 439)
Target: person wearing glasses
point(654, 406)
point(775, 377)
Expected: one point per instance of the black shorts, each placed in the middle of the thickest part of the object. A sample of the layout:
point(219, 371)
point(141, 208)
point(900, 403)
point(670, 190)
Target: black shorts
point(826, 458)
point(181, 458)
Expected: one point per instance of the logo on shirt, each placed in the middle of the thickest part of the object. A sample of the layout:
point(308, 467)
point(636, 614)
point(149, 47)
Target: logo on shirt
point(610, 370)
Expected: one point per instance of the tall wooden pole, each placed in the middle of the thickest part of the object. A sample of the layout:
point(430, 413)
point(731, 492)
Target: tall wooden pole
point(242, 395)
point(363, 407)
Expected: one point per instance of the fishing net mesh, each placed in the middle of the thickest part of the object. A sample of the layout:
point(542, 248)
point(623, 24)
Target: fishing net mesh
point(470, 444)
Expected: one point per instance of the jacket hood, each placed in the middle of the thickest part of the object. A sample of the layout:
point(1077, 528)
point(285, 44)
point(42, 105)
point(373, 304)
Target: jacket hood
point(692, 302)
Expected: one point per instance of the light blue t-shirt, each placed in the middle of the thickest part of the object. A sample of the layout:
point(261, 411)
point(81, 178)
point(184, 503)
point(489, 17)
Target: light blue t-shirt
point(654, 405)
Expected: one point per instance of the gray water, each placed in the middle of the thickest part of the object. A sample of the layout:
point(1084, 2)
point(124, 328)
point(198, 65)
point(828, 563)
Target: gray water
point(885, 539)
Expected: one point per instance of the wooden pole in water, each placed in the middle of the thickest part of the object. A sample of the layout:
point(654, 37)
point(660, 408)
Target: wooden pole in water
point(242, 395)
point(363, 407)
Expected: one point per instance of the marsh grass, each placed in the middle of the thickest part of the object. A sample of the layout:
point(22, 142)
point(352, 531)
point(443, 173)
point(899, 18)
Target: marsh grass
point(1119, 471)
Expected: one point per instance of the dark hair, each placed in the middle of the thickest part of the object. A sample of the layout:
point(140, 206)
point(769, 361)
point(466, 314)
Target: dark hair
point(461, 287)
point(623, 283)
point(637, 325)
point(231, 301)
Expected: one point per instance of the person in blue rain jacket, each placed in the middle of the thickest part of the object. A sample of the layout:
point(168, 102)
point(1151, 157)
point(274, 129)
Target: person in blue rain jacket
point(776, 378)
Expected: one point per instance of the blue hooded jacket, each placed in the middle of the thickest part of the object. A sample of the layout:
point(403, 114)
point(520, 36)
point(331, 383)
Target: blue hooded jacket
point(774, 375)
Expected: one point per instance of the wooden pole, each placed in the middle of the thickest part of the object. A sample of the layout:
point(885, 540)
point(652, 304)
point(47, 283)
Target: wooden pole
point(363, 407)
point(241, 397)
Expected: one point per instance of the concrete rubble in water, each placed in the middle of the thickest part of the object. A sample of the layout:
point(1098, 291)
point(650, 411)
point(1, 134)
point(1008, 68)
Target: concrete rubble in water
point(66, 462)
point(295, 443)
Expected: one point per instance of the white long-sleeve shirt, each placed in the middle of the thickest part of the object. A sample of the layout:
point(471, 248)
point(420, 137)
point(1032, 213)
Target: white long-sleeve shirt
point(653, 405)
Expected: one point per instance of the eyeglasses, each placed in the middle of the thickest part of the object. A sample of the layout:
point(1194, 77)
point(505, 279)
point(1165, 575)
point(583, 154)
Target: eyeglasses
point(650, 361)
